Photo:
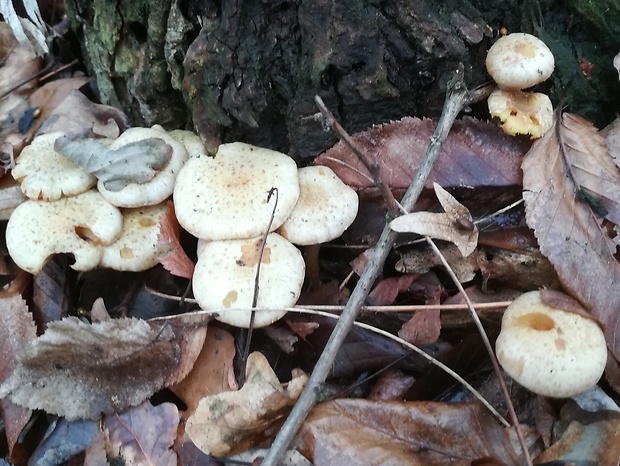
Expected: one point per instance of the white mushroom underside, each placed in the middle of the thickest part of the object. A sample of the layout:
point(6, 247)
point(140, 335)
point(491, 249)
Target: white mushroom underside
point(226, 270)
point(226, 197)
point(161, 185)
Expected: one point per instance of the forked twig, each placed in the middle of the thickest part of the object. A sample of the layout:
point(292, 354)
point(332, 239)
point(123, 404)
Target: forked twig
point(456, 99)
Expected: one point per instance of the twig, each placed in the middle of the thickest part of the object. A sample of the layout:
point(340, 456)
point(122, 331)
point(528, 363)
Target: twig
point(457, 97)
point(489, 348)
point(371, 165)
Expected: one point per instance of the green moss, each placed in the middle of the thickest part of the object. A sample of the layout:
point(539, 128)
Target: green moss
point(602, 15)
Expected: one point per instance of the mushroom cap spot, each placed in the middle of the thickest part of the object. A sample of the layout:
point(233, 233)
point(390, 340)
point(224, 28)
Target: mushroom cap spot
point(138, 248)
point(78, 225)
point(158, 188)
point(225, 197)
point(519, 61)
point(325, 209)
point(550, 351)
point(48, 175)
point(221, 280)
point(190, 140)
point(522, 112)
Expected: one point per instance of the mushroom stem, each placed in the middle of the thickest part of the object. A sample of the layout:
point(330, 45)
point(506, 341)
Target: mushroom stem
point(310, 254)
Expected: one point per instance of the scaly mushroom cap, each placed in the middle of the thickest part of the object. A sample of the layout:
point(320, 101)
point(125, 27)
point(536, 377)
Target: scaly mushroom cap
point(138, 248)
point(161, 185)
point(225, 197)
point(226, 270)
point(522, 112)
point(78, 225)
point(325, 209)
point(519, 61)
point(47, 175)
point(550, 351)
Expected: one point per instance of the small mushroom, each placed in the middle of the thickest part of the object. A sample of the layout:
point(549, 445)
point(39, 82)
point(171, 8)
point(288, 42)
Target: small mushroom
point(519, 61)
point(138, 248)
point(48, 175)
point(226, 271)
point(225, 197)
point(522, 112)
point(325, 209)
point(190, 140)
point(550, 351)
point(79, 225)
point(161, 185)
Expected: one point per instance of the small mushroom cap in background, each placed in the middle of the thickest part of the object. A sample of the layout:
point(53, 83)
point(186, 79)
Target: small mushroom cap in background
point(191, 141)
point(157, 189)
point(519, 61)
point(522, 112)
point(226, 270)
point(325, 209)
point(78, 225)
point(48, 175)
point(550, 351)
point(138, 248)
point(225, 197)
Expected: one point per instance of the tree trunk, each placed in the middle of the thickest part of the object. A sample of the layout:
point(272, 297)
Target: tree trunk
point(248, 70)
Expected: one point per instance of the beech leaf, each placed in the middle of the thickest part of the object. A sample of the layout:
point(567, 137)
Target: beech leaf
point(455, 225)
point(176, 261)
point(136, 162)
point(79, 370)
point(569, 159)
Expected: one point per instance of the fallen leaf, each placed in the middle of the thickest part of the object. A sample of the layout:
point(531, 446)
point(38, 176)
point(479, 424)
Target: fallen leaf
point(176, 261)
point(19, 62)
point(136, 162)
point(51, 291)
point(388, 289)
point(475, 154)
point(568, 159)
point(67, 439)
point(362, 432)
point(232, 422)
point(454, 225)
point(391, 385)
point(17, 331)
point(143, 435)
point(79, 371)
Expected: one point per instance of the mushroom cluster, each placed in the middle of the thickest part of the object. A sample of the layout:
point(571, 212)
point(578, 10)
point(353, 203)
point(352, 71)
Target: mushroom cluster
point(225, 202)
point(550, 351)
point(64, 214)
point(515, 62)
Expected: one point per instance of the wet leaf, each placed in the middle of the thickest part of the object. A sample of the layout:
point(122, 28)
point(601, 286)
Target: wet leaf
point(475, 154)
point(176, 261)
point(66, 440)
point(232, 422)
point(361, 432)
point(52, 291)
point(143, 435)
point(569, 159)
point(79, 371)
point(136, 162)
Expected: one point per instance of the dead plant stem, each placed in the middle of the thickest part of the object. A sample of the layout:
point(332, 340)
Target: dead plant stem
point(456, 99)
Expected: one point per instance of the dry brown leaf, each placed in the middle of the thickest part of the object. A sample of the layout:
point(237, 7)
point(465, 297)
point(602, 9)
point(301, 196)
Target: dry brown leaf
point(143, 435)
point(176, 261)
point(567, 160)
point(455, 225)
point(361, 432)
point(232, 422)
point(475, 154)
point(388, 289)
point(79, 371)
point(17, 331)
point(213, 371)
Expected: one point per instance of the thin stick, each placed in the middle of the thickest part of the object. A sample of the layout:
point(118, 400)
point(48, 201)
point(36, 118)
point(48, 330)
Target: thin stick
point(457, 97)
point(371, 165)
point(489, 348)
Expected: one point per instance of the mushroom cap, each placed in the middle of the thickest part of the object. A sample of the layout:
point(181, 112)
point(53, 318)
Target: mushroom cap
point(325, 209)
point(226, 270)
point(138, 247)
point(190, 140)
point(158, 188)
point(550, 351)
point(519, 61)
point(522, 112)
point(48, 175)
point(225, 197)
point(78, 225)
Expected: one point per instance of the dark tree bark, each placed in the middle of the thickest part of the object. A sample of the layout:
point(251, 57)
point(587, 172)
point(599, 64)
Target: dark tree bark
point(248, 70)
